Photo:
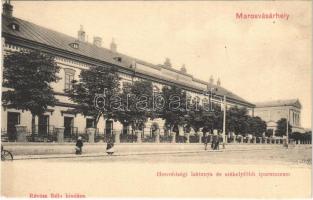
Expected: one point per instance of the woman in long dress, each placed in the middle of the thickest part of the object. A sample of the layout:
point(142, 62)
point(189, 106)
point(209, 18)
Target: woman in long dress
point(110, 147)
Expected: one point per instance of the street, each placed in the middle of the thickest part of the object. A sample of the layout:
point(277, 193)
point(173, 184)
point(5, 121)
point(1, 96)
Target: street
point(143, 175)
point(277, 156)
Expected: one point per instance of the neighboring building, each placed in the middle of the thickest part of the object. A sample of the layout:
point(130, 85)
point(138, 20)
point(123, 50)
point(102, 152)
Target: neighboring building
point(72, 55)
point(273, 111)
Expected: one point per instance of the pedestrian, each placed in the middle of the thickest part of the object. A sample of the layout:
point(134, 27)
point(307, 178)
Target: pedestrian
point(79, 145)
point(205, 141)
point(217, 144)
point(110, 146)
point(214, 142)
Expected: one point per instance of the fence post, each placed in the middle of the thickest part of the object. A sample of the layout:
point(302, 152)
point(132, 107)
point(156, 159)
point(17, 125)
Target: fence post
point(60, 134)
point(138, 134)
point(21, 133)
point(91, 134)
point(188, 137)
point(173, 137)
point(200, 136)
point(117, 136)
point(157, 137)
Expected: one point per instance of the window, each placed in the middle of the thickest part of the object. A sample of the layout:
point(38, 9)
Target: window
point(205, 102)
point(119, 59)
point(69, 77)
point(14, 27)
point(90, 123)
point(126, 85)
point(74, 45)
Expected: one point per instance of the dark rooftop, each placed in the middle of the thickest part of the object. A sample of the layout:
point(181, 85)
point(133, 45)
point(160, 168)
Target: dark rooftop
point(42, 35)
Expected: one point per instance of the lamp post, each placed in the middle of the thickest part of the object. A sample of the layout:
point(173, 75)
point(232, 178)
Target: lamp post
point(133, 66)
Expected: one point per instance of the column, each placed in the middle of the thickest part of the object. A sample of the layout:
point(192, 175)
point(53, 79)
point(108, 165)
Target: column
point(254, 140)
point(60, 134)
point(21, 133)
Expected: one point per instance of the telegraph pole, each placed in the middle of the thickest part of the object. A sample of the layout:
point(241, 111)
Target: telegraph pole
point(224, 122)
point(287, 131)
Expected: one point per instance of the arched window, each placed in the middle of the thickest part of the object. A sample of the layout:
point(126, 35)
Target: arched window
point(69, 77)
point(205, 102)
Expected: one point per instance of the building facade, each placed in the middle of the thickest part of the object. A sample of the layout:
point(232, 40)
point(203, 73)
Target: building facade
point(273, 111)
point(73, 54)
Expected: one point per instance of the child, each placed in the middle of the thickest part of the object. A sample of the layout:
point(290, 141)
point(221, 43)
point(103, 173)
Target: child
point(79, 145)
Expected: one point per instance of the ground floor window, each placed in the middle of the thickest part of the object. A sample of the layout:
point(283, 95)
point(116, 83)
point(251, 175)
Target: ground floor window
point(68, 126)
point(90, 123)
point(43, 125)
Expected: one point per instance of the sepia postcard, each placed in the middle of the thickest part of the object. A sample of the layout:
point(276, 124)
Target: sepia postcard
point(166, 99)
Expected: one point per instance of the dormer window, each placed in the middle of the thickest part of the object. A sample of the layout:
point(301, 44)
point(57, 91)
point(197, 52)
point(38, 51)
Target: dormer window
point(14, 26)
point(74, 45)
point(119, 59)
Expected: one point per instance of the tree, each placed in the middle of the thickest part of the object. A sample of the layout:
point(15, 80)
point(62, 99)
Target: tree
point(174, 111)
point(204, 118)
point(282, 127)
point(97, 85)
point(27, 75)
point(256, 126)
point(136, 105)
point(236, 120)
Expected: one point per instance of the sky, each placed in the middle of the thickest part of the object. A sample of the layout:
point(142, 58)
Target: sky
point(257, 59)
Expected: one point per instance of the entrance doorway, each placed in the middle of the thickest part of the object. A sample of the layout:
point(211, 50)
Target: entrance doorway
point(13, 120)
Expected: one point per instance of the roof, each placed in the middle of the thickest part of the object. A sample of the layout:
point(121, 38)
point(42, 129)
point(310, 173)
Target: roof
point(35, 33)
point(288, 102)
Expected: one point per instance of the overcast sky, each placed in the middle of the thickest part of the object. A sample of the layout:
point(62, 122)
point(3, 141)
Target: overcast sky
point(263, 59)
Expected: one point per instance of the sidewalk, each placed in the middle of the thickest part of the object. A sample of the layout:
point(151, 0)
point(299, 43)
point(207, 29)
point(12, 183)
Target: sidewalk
point(46, 151)
point(73, 155)
point(53, 156)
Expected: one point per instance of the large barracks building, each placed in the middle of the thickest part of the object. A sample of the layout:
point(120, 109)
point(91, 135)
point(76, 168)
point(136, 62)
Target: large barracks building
point(73, 54)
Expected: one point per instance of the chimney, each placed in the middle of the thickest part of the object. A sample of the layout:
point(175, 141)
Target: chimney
point(183, 69)
point(167, 62)
point(218, 83)
point(7, 8)
point(113, 46)
point(97, 41)
point(81, 34)
point(211, 81)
